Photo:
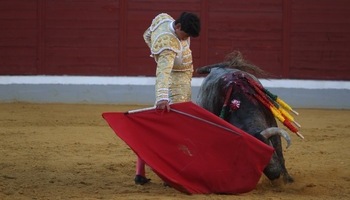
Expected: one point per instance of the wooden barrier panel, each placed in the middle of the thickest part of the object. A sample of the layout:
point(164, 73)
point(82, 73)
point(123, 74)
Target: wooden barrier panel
point(288, 39)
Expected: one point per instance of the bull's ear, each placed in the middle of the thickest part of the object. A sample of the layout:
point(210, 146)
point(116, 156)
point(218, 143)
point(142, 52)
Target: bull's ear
point(202, 70)
point(206, 69)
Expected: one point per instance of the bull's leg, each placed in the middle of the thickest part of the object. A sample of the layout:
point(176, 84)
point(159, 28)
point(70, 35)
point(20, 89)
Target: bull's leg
point(276, 167)
point(277, 144)
point(273, 170)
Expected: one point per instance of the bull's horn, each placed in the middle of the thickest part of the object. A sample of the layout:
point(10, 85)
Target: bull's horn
point(267, 133)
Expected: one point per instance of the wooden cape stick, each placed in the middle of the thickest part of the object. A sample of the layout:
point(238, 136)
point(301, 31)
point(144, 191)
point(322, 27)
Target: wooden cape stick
point(140, 110)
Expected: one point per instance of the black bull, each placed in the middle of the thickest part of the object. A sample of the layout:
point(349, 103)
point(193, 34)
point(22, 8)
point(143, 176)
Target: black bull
point(244, 112)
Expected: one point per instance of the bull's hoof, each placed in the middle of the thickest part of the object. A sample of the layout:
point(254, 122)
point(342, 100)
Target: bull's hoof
point(140, 180)
point(288, 179)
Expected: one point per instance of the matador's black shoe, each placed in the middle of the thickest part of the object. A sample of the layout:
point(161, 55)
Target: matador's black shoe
point(140, 180)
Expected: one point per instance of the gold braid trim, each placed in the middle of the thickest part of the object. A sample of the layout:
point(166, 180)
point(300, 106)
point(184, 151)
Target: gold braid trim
point(160, 19)
point(166, 41)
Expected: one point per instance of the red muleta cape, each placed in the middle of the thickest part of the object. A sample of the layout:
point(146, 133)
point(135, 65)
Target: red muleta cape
point(193, 150)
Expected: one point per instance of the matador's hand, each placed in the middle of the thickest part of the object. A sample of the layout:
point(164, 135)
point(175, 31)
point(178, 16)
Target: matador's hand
point(163, 105)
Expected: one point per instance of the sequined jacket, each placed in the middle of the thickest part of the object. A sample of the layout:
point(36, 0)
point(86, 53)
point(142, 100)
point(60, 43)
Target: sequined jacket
point(170, 53)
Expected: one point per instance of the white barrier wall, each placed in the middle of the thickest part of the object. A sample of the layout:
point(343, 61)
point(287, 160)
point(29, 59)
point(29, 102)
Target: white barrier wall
point(140, 90)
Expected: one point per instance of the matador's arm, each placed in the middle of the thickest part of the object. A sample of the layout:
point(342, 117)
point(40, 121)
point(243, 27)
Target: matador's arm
point(165, 63)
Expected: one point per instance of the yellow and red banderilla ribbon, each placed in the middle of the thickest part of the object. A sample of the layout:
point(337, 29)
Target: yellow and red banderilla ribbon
point(276, 105)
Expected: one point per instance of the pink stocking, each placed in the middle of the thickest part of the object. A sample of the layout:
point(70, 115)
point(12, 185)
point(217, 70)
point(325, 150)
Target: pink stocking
point(140, 167)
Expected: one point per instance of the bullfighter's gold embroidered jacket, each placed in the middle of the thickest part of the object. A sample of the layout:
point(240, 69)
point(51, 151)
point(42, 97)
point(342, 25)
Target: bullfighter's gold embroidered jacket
point(173, 58)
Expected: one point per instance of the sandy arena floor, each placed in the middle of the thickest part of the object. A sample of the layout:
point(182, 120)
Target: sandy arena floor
point(58, 151)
